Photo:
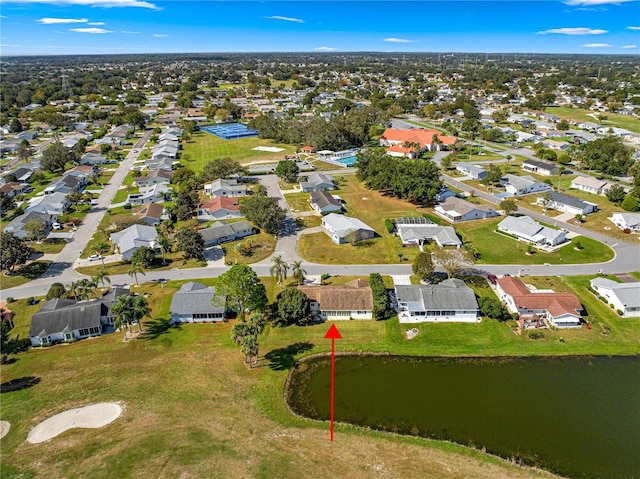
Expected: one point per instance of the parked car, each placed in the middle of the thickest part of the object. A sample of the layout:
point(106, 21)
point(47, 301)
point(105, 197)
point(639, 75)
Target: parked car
point(95, 257)
point(493, 279)
point(56, 226)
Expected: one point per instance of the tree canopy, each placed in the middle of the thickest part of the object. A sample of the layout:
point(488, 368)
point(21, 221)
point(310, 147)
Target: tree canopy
point(12, 251)
point(292, 307)
point(608, 155)
point(264, 212)
point(191, 243)
point(220, 168)
point(243, 289)
point(55, 157)
point(287, 170)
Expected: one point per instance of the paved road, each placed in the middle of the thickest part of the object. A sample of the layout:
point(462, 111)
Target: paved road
point(61, 270)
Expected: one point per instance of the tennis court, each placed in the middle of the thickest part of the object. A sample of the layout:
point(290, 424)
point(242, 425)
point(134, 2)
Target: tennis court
point(229, 131)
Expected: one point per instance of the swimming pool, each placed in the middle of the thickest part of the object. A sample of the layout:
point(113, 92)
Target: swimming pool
point(347, 161)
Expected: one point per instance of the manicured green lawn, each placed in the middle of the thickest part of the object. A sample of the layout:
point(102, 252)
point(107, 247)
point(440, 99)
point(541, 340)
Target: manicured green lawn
point(49, 246)
point(372, 208)
point(262, 245)
point(23, 275)
point(497, 248)
point(174, 260)
point(204, 147)
point(622, 121)
point(298, 202)
point(122, 193)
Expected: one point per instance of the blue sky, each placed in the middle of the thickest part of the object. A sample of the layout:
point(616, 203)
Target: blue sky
point(62, 27)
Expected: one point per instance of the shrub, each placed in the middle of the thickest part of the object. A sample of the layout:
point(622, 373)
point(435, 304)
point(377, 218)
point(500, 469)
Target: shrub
point(381, 301)
point(535, 334)
point(10, 299)
point(389, 225)
point(620, 312)
point(57, 290)
point(626, 230)
point(127, 206)
point(31, 301)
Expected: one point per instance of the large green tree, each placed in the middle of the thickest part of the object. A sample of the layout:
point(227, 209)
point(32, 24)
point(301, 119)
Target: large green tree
point(145, 256)
point(608, 155)
point(292, 307)
point(242, 288)
point(191, 243)
point(55, 157)
point(220, 168)
point(264, 212)
point(287, 170)
point(423, 266)
point(12, 252)
point(381, 300)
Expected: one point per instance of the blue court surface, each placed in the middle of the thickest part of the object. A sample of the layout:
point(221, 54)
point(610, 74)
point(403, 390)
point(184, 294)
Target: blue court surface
point(229, 131)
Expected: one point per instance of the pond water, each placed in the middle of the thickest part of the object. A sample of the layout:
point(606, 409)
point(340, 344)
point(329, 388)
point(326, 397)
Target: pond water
point(577, 416)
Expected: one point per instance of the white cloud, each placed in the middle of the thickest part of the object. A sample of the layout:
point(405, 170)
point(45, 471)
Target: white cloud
point(56, 21)
point(3, 16)
point(160, 35)
point(286, 19)
point(630, 46)
point(127, 32)
point(96, 23)
point(325, 49)
point(574, 31)
point(595, 2)
point(399, 40)
point(633, 28)
point(93, 31)
point(92, 3)
point(597, 45)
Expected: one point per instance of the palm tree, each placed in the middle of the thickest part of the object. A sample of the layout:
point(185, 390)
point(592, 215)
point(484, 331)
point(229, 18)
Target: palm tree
point(298, 272)
point(140, 309)
point(134, 270)
point(102, 277)
point(122, 314)
point(72, 290)
point(165, 246)
point(279, 269)
point(100, 248)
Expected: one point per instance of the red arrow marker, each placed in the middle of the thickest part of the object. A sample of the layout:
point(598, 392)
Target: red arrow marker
point(333, 334)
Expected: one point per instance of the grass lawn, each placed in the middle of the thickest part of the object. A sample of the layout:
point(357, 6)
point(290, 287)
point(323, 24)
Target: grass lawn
point(191, 407)
point(24, 274)
point(101, 234)
point(204, 147)
point(622, 121)
point(372, 208)
point(174, 260)
point(298, 202)
point(262, 244)
point(122, 193)
point(305, 222)
point(49, 246)
point(497, 248)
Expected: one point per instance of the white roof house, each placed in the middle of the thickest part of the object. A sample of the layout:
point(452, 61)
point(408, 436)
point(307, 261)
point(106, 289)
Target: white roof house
point(523, 185)
point(590, 185)
point(132, 238)
point(474, 171)
point(228, 188)
point(338, 227)
point(456, 209)
point(449, 301)
point(193, 303)
point(567, 203)
point(527, 229)
point(417, 231)
point(625, 297)
point(629, 221)
point(317, 182)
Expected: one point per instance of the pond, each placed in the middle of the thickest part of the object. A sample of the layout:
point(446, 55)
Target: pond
point(577, 416)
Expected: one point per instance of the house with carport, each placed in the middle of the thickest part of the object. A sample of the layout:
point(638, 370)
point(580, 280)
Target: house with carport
point(456, 210)
point(624, 297)
point(566, 203)
point(353, 300)
point(590, 185)
point(523, 185)
point(127, 241)
point(339, 228)
point(417, 231)
point(324, 203)
point(527, 229)
point(473, 171)
point(630, 221)
point(223, 232)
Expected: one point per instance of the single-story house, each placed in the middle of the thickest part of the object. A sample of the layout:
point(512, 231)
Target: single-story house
point(22, 174)
point(474, 171)
point(127, 241)
point(567, 203)
point(13, 188)
point(93, 158)
point(339, 228)
point(154, 177)
point(150, 194)
point(540, 167)
point(66, 319)
point(27, 135)
point(150, 214)
point(523, 185)
point(444, 193)
point(624, 297)
point(561, 310)
point(54, 204)
point(556, 145)
point(456, 210)
point(16, 226)
point(590, 185)
point(353, 300)
point(192, 303)
point(527, 229)
point(625, 221)
point(219, 208)
point(227, 188)
point(307, 149)
point(323, 202)
point(317, 182)
point(449, 301)
point(222, 232)
point(416, 231)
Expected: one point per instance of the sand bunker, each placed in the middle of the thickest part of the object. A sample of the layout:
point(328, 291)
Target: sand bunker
point(92, 416)
point(4, 428)
point(271, 149)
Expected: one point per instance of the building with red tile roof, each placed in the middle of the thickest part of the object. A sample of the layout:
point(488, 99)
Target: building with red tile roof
point(220, 207)
point(561, 310)
point(412, 143)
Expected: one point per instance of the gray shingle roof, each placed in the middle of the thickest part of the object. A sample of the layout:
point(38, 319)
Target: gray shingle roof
point(323, 199)
point(568, 200)
point(451, 294)
point(220, 229)
point(195, 298)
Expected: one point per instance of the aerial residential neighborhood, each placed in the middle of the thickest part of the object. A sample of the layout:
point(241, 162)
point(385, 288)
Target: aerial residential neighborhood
point(179, 232)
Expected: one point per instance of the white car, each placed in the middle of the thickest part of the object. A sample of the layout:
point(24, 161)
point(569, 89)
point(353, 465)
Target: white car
point(56, 226)
point(95, 257)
